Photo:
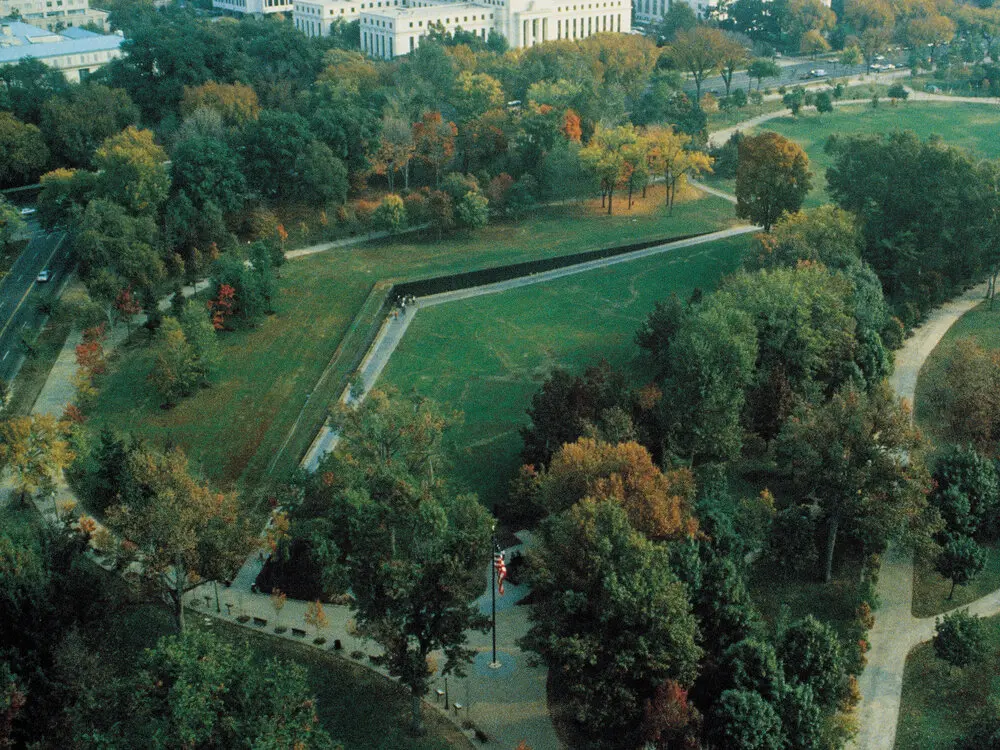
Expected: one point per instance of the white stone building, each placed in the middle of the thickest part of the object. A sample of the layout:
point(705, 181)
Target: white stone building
point(254, 7)
point(53, 15)
point(651, 12)
point(390, 28)
point(75, 52)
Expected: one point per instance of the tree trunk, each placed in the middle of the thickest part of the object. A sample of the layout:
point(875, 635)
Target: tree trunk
point(179, 594)
point(610, 198)
point(831, 543)
point(406, 175)
point(630, 195)
point(389, 175)
point(417, 724)
point(952, 592)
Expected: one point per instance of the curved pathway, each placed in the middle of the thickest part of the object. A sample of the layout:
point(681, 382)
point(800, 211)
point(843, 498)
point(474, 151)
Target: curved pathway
point(896, 630)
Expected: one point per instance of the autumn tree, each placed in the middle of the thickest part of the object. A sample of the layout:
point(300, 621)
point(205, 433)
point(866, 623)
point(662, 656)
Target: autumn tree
point(605, 158)
point(181, 531)
point(611, 621)
point(968, 398)
point(316, 616)
point(236, 103)
point(658, 504)
point(434, 142)
point(127, 307)
point(132, 172)
point(671, 155)
point(772, 177)
point(700, 52)
point(174, 370)
point(395, 150)
point(35, 450)
point(733, 55)
point(861, 459)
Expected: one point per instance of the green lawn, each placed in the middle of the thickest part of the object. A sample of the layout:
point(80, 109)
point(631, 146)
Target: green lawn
point(980, 324)
point(940, 703)
point(358, 707)
point(930, 590)
point(487, 356)
point(975, 127)
point(235, 430)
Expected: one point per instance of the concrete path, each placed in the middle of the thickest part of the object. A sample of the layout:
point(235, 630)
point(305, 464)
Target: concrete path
point(896, 630)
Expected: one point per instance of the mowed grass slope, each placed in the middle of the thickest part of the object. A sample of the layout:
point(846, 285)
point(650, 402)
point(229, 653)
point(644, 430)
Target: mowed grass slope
point(941, 703)
point(973, 127)
point(235, 430)
point(487, 356)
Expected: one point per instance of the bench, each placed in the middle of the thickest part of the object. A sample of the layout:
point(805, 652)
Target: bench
point(298, 632)
point(259, 622)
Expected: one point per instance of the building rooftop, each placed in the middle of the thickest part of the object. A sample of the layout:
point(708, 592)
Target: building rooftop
point(19, 40)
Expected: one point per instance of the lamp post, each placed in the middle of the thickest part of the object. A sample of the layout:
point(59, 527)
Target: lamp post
point(495, 663)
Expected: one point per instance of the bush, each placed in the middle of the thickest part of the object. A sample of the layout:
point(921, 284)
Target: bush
point(390, 216)
point(415, 205)
point(727, 156)
point(473, 211)
point(959, 638)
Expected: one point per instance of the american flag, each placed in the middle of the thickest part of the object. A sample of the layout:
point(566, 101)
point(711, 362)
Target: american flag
point(501, 567)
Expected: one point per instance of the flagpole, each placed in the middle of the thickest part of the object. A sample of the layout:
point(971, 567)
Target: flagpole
point(493, 595)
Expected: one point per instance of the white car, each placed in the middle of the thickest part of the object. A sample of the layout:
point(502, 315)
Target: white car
point(27, 211)
point(817, 73)
point(44, 276)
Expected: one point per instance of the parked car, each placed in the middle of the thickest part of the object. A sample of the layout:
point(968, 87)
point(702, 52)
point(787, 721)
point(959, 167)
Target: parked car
point(44, 276)
point(27, 211)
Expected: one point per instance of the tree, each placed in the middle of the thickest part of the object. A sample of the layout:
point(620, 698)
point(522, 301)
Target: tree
point(473, 210)
point(206, 171)
point(824, 102)
point(79, 119)
point(201, 338)
point(565, 406)
point(13, 228)
point(182, 532)
point(412, 551)
point(671, 154)
point(475, 94)
point(745, 720)
point(960, 561)
point(24, 149)
point(441, 211)
point(434, 142)
point(195, 690)
point(898, 91)
point(813, 43)
point(127, 307)
point(762, 68)
point(27, 86)
point(733, 56)
point(794, 100)
point(236, 103)
point(963, 472)
point(712, 363)
point(271, 148)
point(396, 149)
point(391, 214)
point(860, 458)
point(700, 52)
point(35, 450)
point(679, 17)
point(604, 157)
point(968, 397)
point(109, 239)
point(959, 638)
point(315, 616)
point(752, 665)
point(131, 171)
point(174, 371)
point(810, 654)
point(611, 621)
point(772, 178)
point(660, 505)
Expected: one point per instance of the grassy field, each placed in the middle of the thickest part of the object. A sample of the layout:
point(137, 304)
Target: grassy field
point(235, 430)
point(358, 707)
point(930, 590)
point(975, 127)
point(939, 702)
point(487, 356)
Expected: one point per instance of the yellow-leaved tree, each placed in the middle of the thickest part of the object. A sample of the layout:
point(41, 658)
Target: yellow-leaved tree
point(35, 450)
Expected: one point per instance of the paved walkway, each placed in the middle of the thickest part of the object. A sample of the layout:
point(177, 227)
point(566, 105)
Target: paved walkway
point(896, 630)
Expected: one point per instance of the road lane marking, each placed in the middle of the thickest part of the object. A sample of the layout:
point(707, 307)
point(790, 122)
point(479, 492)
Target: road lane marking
point(30, 287)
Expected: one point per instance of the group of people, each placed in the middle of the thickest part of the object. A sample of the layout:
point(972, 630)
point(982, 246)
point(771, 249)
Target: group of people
point(401, 303)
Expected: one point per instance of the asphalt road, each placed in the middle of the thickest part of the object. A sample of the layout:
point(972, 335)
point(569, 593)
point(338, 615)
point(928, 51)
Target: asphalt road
point(791, 73)
point(21, 295)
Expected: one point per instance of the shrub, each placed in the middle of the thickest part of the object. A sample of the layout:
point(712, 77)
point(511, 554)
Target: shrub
point(959, 638)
